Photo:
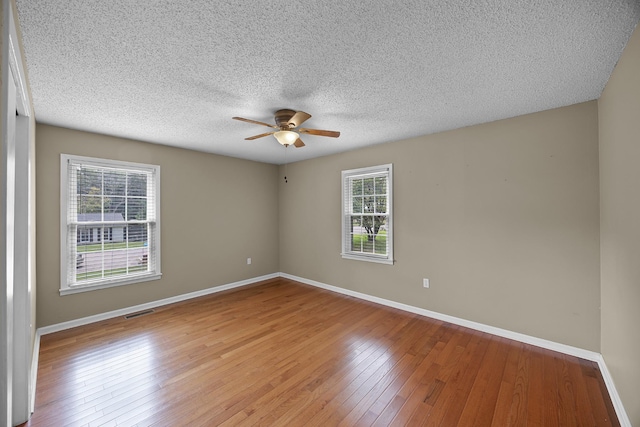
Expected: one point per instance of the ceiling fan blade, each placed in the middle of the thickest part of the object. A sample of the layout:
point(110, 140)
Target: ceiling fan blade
point(331, 133)
point(259, 136)
point(242, 119)
point(298, 118)
point(298, 143)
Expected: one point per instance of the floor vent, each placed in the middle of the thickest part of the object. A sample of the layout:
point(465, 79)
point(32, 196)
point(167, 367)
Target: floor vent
point(138, 314)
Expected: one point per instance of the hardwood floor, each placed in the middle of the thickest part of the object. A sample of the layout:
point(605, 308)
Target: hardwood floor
point(286, 354)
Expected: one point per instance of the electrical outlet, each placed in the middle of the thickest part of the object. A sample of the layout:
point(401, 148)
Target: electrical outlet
point(248, 261)
point(425, 283)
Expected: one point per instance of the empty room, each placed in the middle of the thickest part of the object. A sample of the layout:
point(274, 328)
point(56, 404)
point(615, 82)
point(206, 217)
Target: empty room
point(320, 213)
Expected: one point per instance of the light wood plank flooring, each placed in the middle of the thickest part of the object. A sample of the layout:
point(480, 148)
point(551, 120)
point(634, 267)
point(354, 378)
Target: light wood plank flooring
point(281, 353)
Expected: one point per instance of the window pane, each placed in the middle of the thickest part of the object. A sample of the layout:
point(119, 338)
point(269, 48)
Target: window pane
point(367, 243)
point(89, 258)
point(356, 243)
point(365, 234)
point(381, 204)
point(356, 222)
point(368, 204)
point(114, 234)
point(380, 246)
point(85, 235)
point(136, 209)
point(89, 208)
point(137, 233)
point(115, 261)
point(381, 185)
point(367, 185)
point(357, 205)
point(114, 208)
point(137, 184)
point(138, 259)
point(89, 181)
point(115, 183)
point(356, 187)
point(356, 233)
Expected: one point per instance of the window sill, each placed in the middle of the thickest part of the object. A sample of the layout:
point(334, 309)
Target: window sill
point(104, 285)
point(368, 259)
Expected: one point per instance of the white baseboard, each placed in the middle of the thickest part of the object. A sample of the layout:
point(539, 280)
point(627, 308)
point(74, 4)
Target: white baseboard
point(613, 393)
point(527, 339)
point(153, 304)
point(34, 372)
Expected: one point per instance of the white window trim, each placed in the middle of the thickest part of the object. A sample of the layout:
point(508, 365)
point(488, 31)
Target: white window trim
point(346, 254)
point(65, 288)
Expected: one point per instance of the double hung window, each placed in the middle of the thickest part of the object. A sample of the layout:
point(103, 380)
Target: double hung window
point(110, 223)
point(367, 222)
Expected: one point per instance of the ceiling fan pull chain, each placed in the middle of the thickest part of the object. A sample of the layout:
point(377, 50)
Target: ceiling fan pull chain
point(285, 164)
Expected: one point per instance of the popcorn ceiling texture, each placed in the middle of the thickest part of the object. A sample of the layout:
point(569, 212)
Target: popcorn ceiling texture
point(174, 73)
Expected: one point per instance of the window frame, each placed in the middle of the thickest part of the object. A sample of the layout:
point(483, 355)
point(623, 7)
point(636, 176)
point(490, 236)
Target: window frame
point(66, 287)
point(347, 175)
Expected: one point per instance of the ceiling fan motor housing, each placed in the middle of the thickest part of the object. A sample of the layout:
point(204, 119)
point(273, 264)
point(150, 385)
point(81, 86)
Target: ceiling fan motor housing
point(282, 118)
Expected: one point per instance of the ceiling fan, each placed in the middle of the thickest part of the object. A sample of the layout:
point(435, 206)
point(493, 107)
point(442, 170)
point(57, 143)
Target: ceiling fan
point(287, 122)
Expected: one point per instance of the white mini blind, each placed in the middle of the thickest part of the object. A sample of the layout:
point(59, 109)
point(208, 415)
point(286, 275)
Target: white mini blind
point(112, 222)
point(367, 226)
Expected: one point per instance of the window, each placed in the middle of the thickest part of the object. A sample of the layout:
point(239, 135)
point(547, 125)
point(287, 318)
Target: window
point(110, 223)
point(367, 226)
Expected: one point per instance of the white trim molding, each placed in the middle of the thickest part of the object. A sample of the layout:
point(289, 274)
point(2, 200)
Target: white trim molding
point(613, 393)
point(153, 304)
point(527, 339)
point(34, 372)
point(516, 336)
point(16, 239)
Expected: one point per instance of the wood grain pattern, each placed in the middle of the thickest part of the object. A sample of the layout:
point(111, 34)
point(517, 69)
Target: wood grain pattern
point(281, 353)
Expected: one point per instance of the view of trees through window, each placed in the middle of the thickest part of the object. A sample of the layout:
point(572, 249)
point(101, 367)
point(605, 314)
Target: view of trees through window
point(369, 212)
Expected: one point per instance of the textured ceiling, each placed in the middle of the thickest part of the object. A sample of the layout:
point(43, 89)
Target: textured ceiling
point(175, 72)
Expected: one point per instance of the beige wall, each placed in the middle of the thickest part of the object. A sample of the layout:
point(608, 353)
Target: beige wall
point(502, 217)
point(236, 201)
point(619, 124)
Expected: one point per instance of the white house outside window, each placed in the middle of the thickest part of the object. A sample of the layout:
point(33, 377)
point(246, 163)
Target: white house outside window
point(367, 219)
point(110, 223)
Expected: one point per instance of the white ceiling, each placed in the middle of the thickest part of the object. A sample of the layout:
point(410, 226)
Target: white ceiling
point(175, 72)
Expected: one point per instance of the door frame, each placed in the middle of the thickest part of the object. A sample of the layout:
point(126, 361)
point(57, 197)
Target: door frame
point(17, 238)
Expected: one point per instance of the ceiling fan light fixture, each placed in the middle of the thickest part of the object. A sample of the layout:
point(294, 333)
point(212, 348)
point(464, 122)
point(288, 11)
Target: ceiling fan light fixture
point(286, 137)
